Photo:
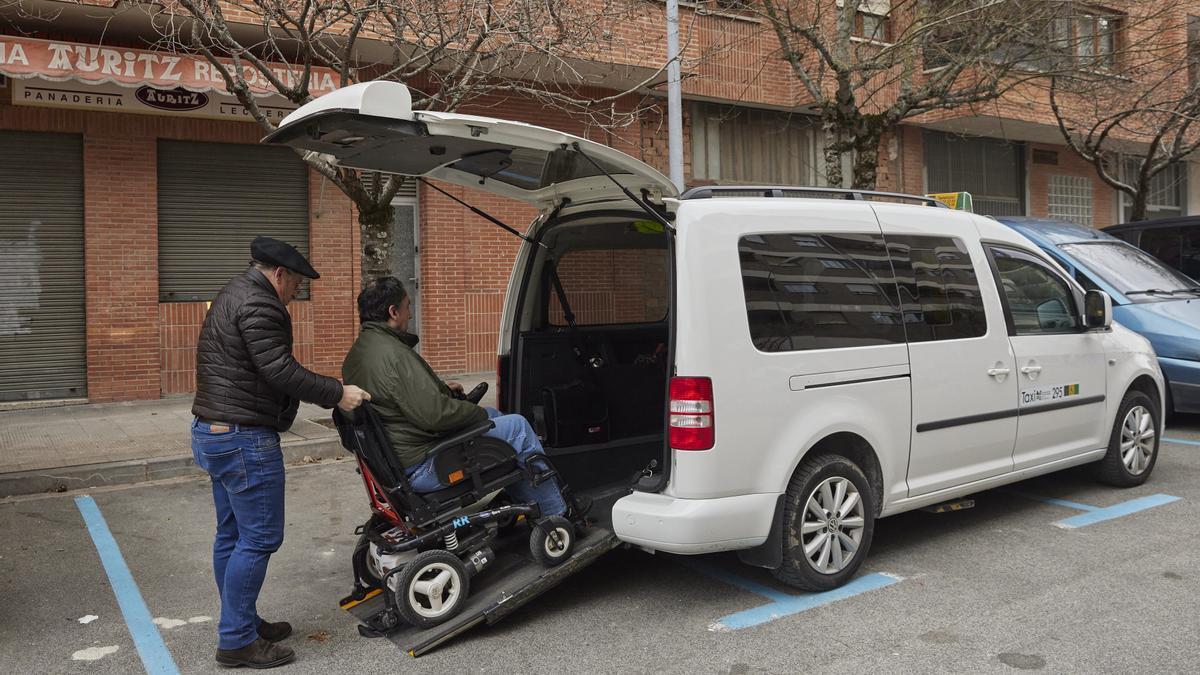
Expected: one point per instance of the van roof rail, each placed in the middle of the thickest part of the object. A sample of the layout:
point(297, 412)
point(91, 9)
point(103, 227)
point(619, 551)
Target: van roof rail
point(709, 191)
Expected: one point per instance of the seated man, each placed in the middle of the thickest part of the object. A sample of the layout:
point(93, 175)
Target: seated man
point(416, 408)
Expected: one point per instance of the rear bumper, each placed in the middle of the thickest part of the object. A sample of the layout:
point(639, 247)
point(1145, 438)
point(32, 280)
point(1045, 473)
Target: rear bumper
point(691, 526)
point(1183, 379)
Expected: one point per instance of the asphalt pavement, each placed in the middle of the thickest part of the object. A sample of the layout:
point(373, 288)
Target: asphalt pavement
point(1000, 587)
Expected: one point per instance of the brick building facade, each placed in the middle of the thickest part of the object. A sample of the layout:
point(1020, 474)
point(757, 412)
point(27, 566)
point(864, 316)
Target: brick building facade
point(140, 344)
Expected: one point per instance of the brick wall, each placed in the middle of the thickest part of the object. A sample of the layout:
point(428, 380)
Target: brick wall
point(1068, 164)
point(121, 263)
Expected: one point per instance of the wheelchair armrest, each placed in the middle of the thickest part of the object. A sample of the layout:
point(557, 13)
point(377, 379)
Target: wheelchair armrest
point(462, 437)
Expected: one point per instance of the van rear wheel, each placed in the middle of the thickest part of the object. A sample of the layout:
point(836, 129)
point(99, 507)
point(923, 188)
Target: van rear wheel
point(828, 522)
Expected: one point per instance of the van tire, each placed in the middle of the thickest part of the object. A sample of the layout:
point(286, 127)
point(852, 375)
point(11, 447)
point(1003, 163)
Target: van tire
point(1113, 469)
point(796, 569)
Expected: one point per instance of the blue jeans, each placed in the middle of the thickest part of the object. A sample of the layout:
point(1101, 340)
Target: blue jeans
point(246, 467)
point(514, 430)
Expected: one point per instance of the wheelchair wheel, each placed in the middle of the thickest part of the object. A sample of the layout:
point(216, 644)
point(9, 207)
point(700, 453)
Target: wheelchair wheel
point(362, 560)
point(552, 540)
point(433, 588)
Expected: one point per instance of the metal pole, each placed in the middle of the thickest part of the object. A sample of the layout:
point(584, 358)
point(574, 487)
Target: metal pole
point(674, 98)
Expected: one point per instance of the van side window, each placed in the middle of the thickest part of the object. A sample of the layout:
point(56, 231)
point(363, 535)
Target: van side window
point(1038, 300)
point(819, 291)
point(938, 287)
point(1163, 243)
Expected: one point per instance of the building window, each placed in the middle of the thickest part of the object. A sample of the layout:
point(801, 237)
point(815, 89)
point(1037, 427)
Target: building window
point(1168, 191)
point(874, 27)
point(1070, 198)
point(734, 145)
point(1091, 36)
point(871, 19)
point(213, 200)
point(992, 170)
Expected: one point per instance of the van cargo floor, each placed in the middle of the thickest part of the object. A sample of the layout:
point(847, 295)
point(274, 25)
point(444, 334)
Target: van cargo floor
point(514, 579)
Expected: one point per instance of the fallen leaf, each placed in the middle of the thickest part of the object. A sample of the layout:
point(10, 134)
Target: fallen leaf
point(319, 636)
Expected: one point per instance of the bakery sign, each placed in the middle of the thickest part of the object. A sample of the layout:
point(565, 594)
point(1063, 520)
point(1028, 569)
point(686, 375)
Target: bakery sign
point(91, 77)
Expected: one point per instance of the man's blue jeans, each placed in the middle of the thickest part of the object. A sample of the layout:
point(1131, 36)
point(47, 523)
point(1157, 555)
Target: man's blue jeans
point(246, 467)
point(514, 430)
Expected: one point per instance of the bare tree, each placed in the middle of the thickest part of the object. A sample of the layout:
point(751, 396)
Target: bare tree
point(1136, 118)
point(449, 53)
point(868, 65)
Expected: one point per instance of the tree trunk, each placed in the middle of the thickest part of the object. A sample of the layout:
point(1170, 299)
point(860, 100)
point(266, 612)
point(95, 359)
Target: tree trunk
point(375, 227)
point(834, 147)
point(866, 159)
point(1139, 199)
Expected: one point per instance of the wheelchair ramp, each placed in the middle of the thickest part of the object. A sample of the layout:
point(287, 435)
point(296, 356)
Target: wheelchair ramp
point(513, 580)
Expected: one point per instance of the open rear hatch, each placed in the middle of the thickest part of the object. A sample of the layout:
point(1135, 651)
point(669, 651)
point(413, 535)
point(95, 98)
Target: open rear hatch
point(371, 126)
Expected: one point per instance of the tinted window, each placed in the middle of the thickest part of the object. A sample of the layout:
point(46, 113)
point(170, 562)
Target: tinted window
point(1190, 255)
point(1131, 271)
point(1163, 243)
point(819, 291)
point(1039, 301)
point(939, 288)
point(531, 169)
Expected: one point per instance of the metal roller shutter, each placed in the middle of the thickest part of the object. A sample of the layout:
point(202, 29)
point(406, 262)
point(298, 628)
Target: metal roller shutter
point(43, 348)
point(213, 199)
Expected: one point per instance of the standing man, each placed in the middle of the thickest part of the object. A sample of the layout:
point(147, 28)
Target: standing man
point(248, 387)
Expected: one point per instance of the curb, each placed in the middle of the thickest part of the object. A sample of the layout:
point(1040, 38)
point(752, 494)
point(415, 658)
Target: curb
point(84, 476)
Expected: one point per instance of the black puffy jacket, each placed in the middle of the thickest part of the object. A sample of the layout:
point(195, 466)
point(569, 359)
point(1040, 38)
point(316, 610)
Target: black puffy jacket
point(245, 371)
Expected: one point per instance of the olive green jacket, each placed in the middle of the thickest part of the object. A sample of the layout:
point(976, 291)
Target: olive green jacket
point(414, 404)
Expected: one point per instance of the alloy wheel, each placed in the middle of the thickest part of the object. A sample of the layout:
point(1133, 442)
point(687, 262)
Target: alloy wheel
point(833, 523)
point(1137, 439)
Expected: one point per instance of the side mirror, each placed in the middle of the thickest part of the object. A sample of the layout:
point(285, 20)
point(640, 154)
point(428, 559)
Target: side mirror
point(1097, 310)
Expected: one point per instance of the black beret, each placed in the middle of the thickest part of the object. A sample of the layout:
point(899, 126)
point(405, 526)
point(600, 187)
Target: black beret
point(281, 254)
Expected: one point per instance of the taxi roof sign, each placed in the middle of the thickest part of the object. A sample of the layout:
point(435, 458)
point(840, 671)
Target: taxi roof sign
point(955, 200)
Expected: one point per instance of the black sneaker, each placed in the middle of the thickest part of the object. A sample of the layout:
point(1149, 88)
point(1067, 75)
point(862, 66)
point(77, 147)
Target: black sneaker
point(274, 631)
point(257, 654)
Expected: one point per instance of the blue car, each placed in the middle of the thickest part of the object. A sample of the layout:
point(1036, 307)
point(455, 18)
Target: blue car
point(1148, 297)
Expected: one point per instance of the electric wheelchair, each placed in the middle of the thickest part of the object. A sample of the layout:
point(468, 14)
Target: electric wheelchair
point(422, 549)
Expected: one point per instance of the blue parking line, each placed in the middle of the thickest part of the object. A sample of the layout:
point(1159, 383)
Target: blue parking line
point(799, 603)
point(155, 656)
point(1116, 511)
point(1180, 441)
point(1052, 500)
point(784, 604)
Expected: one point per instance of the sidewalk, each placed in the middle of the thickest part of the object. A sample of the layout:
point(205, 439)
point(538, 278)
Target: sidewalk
point(79, 446)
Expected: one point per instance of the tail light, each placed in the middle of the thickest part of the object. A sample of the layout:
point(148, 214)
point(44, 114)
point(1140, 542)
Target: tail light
point(691, 423)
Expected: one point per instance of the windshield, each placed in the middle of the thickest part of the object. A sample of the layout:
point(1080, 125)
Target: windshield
point(1131, 270)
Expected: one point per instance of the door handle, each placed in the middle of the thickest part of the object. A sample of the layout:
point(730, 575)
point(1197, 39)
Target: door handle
point(998, 373)
point(1031, 371)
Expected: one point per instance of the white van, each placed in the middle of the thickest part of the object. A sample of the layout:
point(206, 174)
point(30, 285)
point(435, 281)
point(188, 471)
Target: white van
point(770, 369)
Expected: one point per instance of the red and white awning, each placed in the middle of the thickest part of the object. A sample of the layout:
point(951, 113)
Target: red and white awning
point(93, 64)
